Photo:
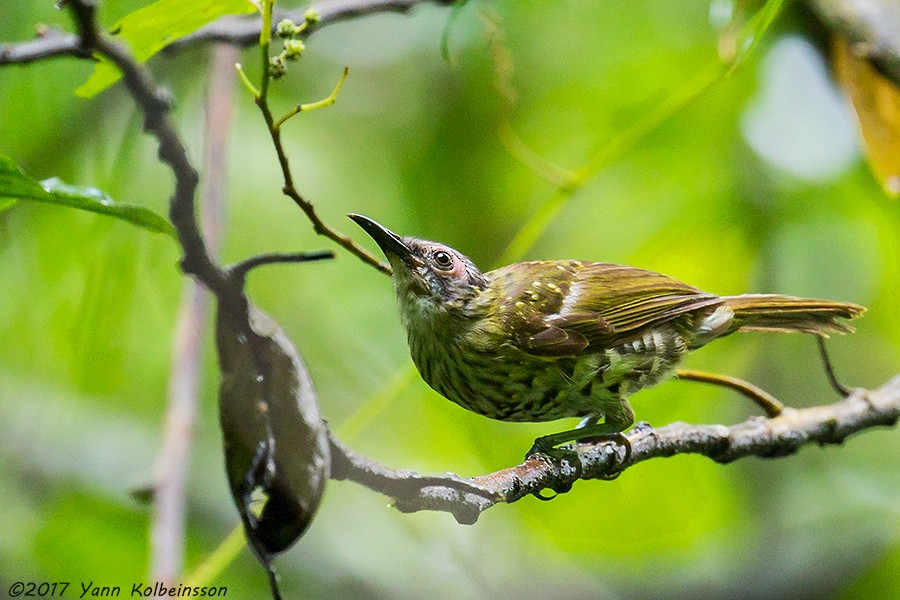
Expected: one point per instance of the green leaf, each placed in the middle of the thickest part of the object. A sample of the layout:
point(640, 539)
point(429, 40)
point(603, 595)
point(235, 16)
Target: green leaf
point(16, 185)
point(151, 28)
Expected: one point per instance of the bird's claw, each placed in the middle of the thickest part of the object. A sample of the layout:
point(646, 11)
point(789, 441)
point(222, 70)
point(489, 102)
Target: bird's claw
point(544, 498)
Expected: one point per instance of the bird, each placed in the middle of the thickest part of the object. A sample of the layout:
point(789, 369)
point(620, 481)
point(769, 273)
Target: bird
point(544, 340)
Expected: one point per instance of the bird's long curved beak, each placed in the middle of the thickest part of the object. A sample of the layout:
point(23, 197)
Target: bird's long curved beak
point(389, 242)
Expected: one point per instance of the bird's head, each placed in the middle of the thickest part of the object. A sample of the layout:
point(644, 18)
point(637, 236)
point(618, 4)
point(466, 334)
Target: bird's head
point(428, 276)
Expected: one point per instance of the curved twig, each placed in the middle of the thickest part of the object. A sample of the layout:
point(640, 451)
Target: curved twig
point(239, 270)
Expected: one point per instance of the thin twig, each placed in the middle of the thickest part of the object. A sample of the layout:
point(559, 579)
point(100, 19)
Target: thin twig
point(289, 189)
point(245, 30)
point(328, 101)
point(167, 519)
point(839, 387)
point(766, 401)
point(239, 270)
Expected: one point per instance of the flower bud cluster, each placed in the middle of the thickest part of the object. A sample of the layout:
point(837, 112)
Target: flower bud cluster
point(293, 46)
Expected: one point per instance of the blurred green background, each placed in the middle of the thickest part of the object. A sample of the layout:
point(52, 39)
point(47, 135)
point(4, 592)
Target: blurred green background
point(758, 185)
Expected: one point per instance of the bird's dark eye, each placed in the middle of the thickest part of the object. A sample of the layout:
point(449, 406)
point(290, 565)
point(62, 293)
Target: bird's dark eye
point(442, 259)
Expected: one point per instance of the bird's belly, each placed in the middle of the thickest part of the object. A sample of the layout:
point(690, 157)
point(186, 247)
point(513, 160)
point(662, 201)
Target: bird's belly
point(522, 389)
point(515, 386)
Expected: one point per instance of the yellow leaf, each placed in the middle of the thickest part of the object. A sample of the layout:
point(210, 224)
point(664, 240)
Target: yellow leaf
point(877, 103)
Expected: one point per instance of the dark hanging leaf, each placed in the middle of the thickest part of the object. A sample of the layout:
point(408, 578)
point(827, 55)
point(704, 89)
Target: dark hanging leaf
point(276, 445)
point(16, 185)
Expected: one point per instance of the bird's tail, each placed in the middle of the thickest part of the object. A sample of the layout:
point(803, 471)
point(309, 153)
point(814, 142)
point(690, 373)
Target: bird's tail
point(770, 312)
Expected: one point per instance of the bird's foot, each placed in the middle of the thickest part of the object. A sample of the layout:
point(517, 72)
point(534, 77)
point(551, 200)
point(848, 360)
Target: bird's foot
point(565, 460)
point(561, 457)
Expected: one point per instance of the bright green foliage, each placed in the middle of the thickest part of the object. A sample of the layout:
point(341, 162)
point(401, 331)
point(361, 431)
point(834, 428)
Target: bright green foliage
point(88, 313)
point(153, 27)
point(16, 185)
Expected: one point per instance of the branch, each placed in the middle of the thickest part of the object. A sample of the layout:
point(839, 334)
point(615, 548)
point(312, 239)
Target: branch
point(236, 30)
point(774, 437)
point(238, 272)
point(245, 30)
point(49, 43)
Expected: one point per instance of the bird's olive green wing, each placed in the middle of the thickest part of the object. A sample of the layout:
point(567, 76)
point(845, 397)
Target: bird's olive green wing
point(562, 308)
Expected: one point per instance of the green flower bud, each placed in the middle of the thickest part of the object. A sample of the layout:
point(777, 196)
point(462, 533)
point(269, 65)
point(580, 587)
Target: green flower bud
point(277, 67)
point(312, 16)
point(286, 28)
point(293, 49)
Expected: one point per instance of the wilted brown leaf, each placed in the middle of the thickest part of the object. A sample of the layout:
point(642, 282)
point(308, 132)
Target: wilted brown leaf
point(877, 103)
